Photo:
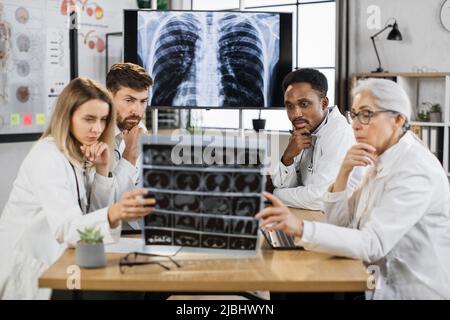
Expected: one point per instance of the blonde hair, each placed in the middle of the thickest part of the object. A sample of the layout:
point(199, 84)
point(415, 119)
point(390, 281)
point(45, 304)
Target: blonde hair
point(76, 93)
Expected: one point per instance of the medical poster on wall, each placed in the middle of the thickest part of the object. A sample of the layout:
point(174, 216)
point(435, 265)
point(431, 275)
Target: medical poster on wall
point(35, 56)
point(97, 18)
point(34, 64)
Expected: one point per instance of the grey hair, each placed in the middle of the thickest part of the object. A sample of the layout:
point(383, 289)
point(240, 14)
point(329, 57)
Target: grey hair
point(388, 95)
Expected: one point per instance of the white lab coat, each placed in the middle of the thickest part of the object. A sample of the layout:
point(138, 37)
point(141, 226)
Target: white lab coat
point(334, 138)
point(127, 175)
point(42, 216)
point(397, 220)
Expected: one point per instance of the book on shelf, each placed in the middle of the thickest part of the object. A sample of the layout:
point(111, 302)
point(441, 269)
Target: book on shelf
point(432, 138)
point(433, 141)
point(425, 136)
point(417, 130)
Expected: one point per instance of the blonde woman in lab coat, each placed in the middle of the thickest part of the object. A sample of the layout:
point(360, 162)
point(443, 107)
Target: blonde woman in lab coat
point(398, 220)
point(63, 185)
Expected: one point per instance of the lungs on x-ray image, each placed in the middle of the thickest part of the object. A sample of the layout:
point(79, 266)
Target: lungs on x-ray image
point(210, 59)
point(188, 181)
point(163, 201)
point(187, 222)
point(244, 227)
point(218, 182)
point(246, 207)
point(186, 203)
point(156, 179)
point(217, 205)
point(158, 155)
point(219, 225)
point(247, 182)
point(157, 219)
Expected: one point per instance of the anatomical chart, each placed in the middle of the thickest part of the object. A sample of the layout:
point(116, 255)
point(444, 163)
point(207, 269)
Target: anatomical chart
point(34, 65)
point(96, 19)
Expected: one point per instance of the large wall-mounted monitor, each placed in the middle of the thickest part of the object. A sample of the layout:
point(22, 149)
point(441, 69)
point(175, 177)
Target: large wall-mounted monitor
point(211, 59)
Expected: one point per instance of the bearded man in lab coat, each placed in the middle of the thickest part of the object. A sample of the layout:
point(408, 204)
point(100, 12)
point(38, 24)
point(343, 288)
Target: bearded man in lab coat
point(319, 141)
point(129, 85)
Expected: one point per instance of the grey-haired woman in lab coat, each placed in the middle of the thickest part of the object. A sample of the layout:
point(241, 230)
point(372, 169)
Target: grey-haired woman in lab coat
point(398, 220)
point(63, 185)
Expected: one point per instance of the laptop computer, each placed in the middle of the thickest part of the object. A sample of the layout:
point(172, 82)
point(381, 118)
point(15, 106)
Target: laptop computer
point(279, 240)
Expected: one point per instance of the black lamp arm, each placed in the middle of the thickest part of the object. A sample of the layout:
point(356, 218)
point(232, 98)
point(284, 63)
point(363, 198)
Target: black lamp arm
point(376, 34)
point(376, 52)
point(375, 47)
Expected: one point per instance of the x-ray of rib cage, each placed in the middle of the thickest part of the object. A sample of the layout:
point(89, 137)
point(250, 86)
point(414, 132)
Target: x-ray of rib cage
point(199, 206)
point(210, 59)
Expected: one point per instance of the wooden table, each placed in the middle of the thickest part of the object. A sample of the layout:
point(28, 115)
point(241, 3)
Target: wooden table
point(269, 270)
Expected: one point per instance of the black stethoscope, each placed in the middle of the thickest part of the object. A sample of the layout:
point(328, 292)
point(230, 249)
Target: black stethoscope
point(119, 156)
point(310, 167)
point(78, 191)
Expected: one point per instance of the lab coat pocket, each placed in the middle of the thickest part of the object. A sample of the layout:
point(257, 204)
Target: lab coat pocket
point(22, 282)
point(400, 280)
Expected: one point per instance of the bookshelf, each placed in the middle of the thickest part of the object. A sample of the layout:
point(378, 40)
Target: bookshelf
point(431, 87)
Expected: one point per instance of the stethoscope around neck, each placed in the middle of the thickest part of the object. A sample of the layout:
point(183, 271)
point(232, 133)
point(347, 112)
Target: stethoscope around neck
point(78, 192)
point(117, 152)
point(310, 167)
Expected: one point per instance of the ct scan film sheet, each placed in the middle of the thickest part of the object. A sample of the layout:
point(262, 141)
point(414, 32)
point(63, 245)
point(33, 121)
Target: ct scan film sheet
point(203, 205)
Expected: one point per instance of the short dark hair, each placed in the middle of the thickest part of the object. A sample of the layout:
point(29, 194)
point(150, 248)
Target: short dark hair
point(127, 75)
point(315, 78)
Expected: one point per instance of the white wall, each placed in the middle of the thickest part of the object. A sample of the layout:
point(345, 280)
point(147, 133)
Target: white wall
point(92, 62)
point(425, 42)
point(11, 157)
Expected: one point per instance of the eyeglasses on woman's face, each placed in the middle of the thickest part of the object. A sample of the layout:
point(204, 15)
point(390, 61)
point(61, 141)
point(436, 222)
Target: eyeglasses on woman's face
point(365, 116)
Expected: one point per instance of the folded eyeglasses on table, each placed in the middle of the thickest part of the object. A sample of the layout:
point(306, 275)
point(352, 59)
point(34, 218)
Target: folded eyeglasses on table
point(133, 259)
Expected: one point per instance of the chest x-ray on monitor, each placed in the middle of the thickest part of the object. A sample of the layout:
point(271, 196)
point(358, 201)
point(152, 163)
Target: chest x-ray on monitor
point(212, 59)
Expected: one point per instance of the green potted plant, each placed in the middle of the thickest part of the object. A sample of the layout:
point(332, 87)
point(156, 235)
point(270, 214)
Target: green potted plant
point(435, 113)
point(422, 116)
point(90, 251)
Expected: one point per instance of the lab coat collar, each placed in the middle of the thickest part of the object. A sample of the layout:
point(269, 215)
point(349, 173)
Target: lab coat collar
point(117, 132)
point(331, 113)
point(118, 136)
point(386, 162)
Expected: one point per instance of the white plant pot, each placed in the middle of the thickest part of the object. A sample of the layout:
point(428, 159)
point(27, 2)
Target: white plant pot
point(90, 255)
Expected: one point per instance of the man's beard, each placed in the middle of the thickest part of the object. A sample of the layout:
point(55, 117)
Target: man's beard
point(127, 123)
